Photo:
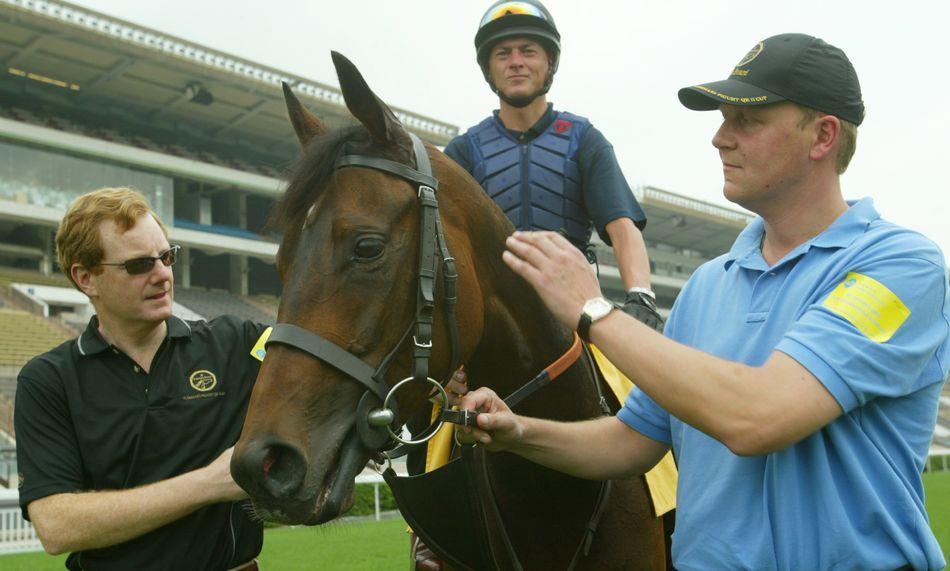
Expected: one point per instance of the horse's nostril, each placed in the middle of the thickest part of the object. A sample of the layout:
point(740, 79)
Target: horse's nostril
point(269, 459)
point(273, 469)
point(283, 469)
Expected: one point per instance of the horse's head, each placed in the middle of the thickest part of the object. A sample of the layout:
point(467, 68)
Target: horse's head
point(348, 266)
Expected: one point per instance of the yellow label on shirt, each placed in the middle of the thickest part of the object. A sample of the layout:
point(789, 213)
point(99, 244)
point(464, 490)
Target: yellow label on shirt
point(868, 305)
point(258, 351)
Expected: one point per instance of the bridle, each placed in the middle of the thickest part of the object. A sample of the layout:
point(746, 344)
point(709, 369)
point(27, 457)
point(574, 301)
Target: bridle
point(373, 423)
point(376, 410)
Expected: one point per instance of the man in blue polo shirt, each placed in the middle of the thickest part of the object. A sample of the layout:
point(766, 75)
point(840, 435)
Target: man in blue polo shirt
point(547, 169)
point(799, 378)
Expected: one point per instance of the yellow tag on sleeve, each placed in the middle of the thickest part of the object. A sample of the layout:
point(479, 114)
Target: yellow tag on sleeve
point(258, 351)
point(868, 305)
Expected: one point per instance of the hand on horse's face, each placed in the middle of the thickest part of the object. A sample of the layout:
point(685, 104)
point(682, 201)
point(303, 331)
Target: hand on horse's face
point(556, 269)
point(498, 427)
point(218, 474)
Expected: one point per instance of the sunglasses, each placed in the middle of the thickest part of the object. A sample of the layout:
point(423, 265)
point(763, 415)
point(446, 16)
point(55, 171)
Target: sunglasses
point(143, 265)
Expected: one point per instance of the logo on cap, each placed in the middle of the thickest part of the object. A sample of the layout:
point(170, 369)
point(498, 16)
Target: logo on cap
point(753, 53)
point(202, 380)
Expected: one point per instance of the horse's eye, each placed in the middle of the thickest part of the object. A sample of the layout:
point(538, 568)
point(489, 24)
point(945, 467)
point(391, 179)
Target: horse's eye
point(368, 249)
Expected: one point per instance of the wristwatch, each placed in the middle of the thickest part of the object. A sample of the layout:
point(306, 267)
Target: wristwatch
point(594, 309)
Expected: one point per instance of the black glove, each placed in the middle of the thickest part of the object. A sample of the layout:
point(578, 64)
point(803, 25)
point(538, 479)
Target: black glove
point(641, 307)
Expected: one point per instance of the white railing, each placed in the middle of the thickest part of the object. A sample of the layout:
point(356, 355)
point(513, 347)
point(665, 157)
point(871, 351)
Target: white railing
point(938, 462)
point(376, 480)
point(16, 534)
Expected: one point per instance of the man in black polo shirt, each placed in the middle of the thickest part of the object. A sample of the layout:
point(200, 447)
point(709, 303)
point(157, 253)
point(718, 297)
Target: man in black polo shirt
point(124, 434)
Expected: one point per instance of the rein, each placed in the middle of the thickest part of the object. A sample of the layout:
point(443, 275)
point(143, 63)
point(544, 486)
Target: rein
point(468, 417)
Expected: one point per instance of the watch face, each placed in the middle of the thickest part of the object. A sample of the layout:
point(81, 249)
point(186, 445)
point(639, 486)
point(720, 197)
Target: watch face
point(597, 308)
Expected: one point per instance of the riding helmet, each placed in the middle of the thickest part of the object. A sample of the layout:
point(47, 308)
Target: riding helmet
point(515, 19)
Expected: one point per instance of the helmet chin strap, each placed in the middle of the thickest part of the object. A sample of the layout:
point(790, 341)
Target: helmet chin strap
point(523, 100)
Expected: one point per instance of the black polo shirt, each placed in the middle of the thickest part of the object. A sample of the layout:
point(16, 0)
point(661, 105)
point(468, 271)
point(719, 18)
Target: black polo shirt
point(87, 417)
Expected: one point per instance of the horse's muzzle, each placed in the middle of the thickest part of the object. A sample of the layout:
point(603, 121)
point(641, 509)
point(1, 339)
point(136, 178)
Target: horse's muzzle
point(271, 471)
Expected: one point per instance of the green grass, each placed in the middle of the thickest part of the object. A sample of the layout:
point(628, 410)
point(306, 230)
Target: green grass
point(352, 546)
point(369, 546)
point(32, 562)
point(937, 490)
point(366, 546)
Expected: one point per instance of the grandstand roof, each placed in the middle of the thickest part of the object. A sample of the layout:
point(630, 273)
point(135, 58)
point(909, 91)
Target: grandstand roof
point(688, 223)
point(70, 56)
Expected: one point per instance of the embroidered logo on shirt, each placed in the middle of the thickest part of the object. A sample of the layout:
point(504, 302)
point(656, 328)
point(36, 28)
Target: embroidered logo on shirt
point(259, 351)
point(868, 305)
point(202, 380)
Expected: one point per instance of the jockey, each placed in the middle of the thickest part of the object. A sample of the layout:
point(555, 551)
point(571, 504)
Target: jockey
point(548, 169)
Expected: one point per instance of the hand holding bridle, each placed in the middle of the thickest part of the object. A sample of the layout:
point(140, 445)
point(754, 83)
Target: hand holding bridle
point(498, 427)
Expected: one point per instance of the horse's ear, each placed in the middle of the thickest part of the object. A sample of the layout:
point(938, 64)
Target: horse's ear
point(306, 124)
point(375, 115)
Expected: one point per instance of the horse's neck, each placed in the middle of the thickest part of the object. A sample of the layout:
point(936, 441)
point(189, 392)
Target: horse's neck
point(521, 338)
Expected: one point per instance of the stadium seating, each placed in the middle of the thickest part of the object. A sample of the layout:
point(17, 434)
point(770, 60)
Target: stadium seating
point(212, 303)
point(134, 140)
point(24, 335)
point(220, 229)
point(266, 303)
point(6, 421)
point(10, 275)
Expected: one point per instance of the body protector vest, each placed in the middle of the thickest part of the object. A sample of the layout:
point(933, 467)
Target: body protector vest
point(536, 183)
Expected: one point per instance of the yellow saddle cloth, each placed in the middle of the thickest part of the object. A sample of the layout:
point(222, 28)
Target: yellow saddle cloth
point(661, 480)
point(663, 477)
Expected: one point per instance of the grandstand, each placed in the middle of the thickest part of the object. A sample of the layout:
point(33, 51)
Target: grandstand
point(88, 100)
point(25, 335)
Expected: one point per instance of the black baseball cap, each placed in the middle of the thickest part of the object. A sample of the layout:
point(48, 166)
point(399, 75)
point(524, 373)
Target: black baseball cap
point(788, 67)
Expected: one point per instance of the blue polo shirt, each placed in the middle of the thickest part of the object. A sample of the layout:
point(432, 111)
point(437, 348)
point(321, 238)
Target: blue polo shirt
point(864, 307)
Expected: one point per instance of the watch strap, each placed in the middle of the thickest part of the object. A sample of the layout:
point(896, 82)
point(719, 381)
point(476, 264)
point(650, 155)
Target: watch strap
point(644, 299)
point(644, 290)
point(583, 327)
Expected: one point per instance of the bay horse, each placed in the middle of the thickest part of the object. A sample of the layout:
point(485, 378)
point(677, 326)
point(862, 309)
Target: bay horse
point(350, 244)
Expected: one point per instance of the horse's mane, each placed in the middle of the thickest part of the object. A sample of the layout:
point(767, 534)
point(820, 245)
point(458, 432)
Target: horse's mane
point(309, 175)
